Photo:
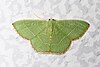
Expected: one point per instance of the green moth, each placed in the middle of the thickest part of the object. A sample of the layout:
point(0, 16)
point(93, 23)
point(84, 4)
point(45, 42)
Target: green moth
point(51, 36)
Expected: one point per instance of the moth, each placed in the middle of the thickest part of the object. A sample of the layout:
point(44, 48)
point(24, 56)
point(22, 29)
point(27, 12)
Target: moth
point(51, 36)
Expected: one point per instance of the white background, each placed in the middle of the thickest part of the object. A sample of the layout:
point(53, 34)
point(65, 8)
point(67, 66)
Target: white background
point(17, 52)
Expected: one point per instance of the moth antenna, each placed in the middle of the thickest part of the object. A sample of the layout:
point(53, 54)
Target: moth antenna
point(50, 17)
point(38, 17)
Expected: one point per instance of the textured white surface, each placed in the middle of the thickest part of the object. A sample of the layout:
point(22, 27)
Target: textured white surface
point(17, 52)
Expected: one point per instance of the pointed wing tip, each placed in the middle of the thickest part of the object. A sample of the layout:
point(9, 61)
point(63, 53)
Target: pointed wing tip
point(88, 25)
point(13, 24)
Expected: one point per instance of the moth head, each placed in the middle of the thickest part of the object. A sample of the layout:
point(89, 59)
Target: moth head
point(52, 19)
